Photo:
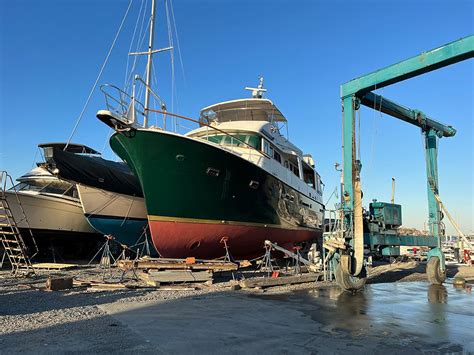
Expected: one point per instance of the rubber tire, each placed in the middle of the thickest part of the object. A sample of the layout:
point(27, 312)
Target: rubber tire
point(433, 271)
point(348, 282)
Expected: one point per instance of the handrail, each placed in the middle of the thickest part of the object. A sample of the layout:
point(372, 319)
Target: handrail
point(206, 125)
point(122, 102)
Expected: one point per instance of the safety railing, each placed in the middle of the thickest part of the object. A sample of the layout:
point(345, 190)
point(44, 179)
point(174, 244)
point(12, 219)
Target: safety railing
point(119, 102)
point(213, 129)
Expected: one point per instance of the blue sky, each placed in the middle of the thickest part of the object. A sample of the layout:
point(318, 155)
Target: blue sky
point(51, 53)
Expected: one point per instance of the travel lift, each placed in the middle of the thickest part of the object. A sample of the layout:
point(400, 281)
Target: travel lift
point(348, 251)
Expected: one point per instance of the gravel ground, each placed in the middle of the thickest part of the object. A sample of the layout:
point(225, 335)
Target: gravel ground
point(49, 319)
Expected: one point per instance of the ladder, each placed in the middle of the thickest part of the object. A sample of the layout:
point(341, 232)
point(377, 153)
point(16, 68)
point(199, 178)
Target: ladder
point(12, 241)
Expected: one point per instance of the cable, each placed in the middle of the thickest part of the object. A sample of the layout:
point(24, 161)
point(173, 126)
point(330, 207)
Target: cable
point(131, 43)
point(99, 76)
point(177, 41)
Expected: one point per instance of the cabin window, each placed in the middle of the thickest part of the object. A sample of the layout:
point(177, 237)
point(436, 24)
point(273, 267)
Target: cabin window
point(51, 189)
point(294, 169)
point(308, 177)
point(267, 148)
point(215, 139)
point(23, 186)
point(72, 192)
point(254, 141)
point(318, 184)
point(276, 156)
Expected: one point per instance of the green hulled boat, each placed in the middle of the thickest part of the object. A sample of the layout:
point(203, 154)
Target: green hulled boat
point(235, 177)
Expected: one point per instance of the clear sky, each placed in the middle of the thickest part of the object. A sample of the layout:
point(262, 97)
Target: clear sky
point(52, 50)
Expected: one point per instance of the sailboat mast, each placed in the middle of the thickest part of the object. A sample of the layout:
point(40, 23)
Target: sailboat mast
point(149, 63)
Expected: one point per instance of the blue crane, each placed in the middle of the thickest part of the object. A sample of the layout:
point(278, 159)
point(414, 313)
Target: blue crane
point(350, 270)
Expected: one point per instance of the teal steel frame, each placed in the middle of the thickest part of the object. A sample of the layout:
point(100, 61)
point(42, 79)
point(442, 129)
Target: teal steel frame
point(359, 92)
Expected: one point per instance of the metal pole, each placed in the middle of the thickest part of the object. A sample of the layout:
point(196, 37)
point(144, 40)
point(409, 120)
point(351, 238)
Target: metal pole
point(431, 147)
point(393, 191)
point(149, 64)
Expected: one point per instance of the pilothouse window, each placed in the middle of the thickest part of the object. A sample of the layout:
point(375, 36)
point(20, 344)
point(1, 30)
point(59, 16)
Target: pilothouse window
point(236, 140)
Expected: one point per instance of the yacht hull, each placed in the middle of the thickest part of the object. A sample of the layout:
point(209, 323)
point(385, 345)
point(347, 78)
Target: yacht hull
point(122, 216)
point(58, 225)
point(48, 213)
point(197, 193)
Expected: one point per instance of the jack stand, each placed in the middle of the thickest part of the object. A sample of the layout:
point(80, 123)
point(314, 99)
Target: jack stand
point(228, 257)
point(146, 247)
point(106, 256)
point(267, 259)
point(297, 260)
point(123, 255)
point(133, 269)
point(146, 244)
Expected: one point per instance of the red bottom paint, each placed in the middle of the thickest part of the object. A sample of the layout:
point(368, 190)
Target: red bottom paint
point(203, 240)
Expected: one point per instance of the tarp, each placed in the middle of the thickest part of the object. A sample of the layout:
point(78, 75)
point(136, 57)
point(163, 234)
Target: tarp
point(94, 171)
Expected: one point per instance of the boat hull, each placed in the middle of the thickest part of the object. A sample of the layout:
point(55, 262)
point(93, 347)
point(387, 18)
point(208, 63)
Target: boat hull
point(58, 226)
point(175, 239)
point(48, 213)
point(197, 193)
point(122, 216)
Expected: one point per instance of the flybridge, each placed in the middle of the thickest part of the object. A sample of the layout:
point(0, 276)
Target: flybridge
point(255, 109)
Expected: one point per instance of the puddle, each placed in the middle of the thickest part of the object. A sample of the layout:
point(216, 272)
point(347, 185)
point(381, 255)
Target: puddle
point(405, 312)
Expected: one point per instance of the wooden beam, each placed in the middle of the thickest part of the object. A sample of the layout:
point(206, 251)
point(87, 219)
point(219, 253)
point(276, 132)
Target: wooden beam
point(178, 264)
point(279, 281)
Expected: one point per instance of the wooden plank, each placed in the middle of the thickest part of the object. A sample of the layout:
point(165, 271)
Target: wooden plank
point(54, 266)
point(176, 288)
point(279, 281)
point(179, 276)
point(178, 264)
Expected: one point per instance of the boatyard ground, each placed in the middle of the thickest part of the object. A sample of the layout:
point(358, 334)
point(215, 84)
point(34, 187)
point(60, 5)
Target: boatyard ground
point(398, 310)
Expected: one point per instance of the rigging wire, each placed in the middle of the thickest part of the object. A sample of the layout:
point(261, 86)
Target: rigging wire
point(177, 42)
point(99, 76)
point(34, 159)
point(109, 134)
point(131, 42)
point(170, 43)
point(136, 58)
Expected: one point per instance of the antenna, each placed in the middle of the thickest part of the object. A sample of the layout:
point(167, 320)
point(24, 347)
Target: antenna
point(393, 190)
point(257, 93)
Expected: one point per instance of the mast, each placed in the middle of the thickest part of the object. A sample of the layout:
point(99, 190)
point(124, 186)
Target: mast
point(149, 64)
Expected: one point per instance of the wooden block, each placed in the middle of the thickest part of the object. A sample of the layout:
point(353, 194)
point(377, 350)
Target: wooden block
point(60, 283)
point(179, 276)
point(284, 280)
point(244, 263)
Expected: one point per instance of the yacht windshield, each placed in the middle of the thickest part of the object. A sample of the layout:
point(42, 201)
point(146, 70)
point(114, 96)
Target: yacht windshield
point(55, 187)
